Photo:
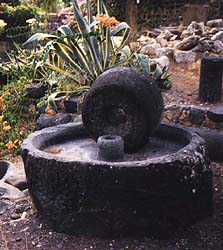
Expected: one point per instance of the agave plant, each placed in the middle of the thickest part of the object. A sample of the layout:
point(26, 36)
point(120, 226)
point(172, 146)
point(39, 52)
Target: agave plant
point(91, 49)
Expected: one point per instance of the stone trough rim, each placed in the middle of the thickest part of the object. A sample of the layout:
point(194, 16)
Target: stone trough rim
point(194, 140)
point(8, 170)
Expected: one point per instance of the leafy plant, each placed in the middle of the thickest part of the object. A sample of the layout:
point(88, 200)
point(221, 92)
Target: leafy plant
point(88, 52)
point(2, 26)
point(17, 116)
point(92, 49)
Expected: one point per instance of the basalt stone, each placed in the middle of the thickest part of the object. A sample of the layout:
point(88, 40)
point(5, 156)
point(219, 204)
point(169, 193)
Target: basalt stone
point(211, 72)
point(215, 114)
point(150, 194)
point(46, 120)
point(71, 105)
point(36, 91)
point(123, 101)
point(197, 116)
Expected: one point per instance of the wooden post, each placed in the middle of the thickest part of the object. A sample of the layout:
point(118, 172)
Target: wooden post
point(132, 16)
point(210, 88)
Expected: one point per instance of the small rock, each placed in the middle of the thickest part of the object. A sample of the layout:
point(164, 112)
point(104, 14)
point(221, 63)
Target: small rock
point(71, 104)
point(197, 116)
point(15, 216)
point(166, 34)
point(46, 120)
point(185, 56)
point(163, 42)
point(18, 181)
point(215, 23)
point(36, 91)
point(150, 49)
point(186, 33)
point(163, 61)
point(167, 51)
point(213, 31)
point(218, 36)
point(205, 45)
point(9, 192)
point(188, 43)
point(26, 192)
point(215, 114)
point(218, 47)
point(196, 28)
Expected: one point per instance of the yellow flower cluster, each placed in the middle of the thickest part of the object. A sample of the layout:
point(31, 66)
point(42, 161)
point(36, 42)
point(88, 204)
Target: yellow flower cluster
point(107, 21)
point(2, 23)
point(6, 127)
point(10, 145)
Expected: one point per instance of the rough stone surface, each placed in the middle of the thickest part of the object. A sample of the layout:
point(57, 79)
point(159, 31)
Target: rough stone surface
point(188, 43)
point(46, 120)
point(215, 114)
point(36, 91)
point(9, 192)
point(202, 39)
point(186, 33)
point(215, 23)
point(166, 34)
point(196, 28)
point(185, 56)
point(150, 49)
point(197, 116)
point(218, 36)
point(167, 51)
point(125, 102)
point(210, 86)
point(17, 180)
point(151, 196)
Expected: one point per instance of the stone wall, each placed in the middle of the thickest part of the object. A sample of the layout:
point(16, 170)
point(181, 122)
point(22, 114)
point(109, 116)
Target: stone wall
point(166, 12)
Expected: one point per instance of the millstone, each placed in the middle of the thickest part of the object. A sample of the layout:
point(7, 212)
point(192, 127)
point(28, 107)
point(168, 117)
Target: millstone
point(125, 102)
point(150, 195)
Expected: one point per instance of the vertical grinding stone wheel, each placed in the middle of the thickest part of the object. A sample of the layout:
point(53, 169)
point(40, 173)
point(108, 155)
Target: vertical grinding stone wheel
point(123, 101)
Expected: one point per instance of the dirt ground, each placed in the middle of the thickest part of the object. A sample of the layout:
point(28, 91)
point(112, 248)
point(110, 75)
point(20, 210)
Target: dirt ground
point(28, 232)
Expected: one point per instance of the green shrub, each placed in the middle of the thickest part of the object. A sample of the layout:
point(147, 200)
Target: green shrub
point(12, 3)
point(17, 16)
point(17, 29)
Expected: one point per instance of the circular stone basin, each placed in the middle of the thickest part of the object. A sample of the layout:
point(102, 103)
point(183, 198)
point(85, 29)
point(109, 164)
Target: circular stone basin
point(167, 183)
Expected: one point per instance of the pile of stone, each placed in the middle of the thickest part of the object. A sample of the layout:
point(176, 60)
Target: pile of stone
point(184, 44)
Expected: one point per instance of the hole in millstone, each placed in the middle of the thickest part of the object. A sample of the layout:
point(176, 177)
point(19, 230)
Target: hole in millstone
point(115, 115)
point(109, 137)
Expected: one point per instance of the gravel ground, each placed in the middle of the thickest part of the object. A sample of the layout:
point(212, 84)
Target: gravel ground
point(28, 232)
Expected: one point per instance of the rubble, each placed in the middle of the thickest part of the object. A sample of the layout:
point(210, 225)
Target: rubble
point(184, 44)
